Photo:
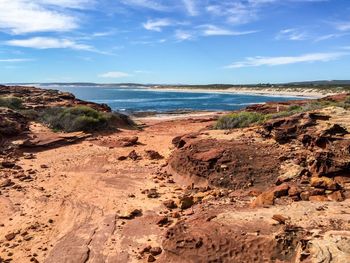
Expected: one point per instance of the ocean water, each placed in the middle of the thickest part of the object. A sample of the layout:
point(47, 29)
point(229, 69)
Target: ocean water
point(138, 99)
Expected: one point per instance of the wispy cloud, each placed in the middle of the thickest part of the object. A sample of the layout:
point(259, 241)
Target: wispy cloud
point(343, 26)
point(27, 16)
point(114, 75)
point(235, 12)
point(48, 43)
point(157, 24)
point(191, 7)
point(285, 60)
point(330, 36)
point(291, 34)
point(182, 35)
point(149, 4)
point(15, 60)
point(71, 4)
point(212, 30)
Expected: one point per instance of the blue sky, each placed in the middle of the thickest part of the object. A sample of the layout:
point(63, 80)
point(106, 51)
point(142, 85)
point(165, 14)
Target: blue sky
point(174, 41)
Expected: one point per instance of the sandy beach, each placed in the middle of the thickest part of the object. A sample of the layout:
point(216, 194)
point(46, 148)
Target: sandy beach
point(275, 91)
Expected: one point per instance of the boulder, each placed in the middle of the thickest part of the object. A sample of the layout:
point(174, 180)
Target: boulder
point(318, 198)
point(153, 155)
point(127, 141)
point(170, 204)
point(10, 236)
point(281, 190)
point(186, 202)
point(12, 123)
point(131, 214)
point(336, 196)
point(265, 199)
point(324, 183)
point(134, 156)
point(155, 251)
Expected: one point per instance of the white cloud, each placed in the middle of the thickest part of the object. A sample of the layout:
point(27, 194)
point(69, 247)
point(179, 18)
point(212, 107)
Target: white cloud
point(343, 26)
point(114, 75)
point(27, 16)
point(149, 4)
point(291, 34)
point(182, 35)
point(191, 7)
point(48, 42)
point(275, 61)
point(212, 30)
point(15, 60)
point(157, 24)
point(235, 12)
point(72, 4)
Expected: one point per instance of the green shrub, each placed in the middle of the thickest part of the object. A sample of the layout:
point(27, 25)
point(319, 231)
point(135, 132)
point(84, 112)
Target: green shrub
point(116, 119)
point(239, 120)
point(347, 100)
point(83, 118)
point(30, 114)
point(80, 118)
point(294, 109)
point(11, 102)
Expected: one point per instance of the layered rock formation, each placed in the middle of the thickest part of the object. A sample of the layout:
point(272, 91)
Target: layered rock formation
point(36, 98)
point(286, 166)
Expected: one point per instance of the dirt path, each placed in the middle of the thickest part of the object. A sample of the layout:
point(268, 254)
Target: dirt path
point(70, 210)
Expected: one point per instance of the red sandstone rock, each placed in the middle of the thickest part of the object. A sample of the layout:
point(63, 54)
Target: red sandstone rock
point(265, 199)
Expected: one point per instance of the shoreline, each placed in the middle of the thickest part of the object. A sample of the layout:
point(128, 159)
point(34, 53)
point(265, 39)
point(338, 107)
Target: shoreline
point(285, 92)
point(168, 117)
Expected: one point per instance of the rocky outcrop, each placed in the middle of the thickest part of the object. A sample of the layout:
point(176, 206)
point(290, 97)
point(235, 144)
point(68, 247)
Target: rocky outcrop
point(12, 123)
point(309, 147)
point(228, 164)
point(36, 98)
point(192, 242)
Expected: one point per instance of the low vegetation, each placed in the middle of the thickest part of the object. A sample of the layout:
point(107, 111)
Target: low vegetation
point(11, 103)
point(81, 118)
point(244, 119)
point(69, 119)
point(239, 120)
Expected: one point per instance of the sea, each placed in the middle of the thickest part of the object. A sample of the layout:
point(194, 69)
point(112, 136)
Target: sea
point(133, 99)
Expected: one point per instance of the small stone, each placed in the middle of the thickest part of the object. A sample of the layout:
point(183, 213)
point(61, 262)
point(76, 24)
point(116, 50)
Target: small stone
point(153, 155)
point(128, 141)
point(27, 238)
point(170, 204)
point(155, 251)
point(280, 219)
point(164, 220)
point(305, 196)
point(336, 196)
point(186, 202)
point(6, 183)
point(294, 191)
point(131, 214)
point(151, 258)
point(281, 190)
point(8, 164)
point(134, 156)
point(318, 198)
point(176, 215)
point(324, 182)
point(265, 199)
point(10, 236)
point(152, 193)
point(317, 191)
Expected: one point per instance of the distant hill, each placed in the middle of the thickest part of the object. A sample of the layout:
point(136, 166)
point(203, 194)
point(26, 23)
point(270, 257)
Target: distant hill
point(317, 83)
point(320, 82)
